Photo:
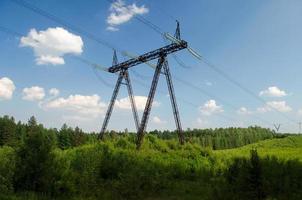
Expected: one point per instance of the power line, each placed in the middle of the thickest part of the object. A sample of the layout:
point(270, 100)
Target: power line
point(58, 20)
point(95, 71)
point(204, 92)
point(94, 67)
point(207, 94)
point(198, 89)
point(169, 15)
point(185, 101)
point(194, 87)
point(213, 96)
point(226, 76)
point(245, 89)
point(87, 34)
point(180, 62)
point(139, 75)
point(110, 85)
point(78, 29)
point(216, 69)
point(10, 32)
point(184, 82)
point(75, 28)
point(177, 59)
point(90, 63)
point(141, 19)
point(143, 77)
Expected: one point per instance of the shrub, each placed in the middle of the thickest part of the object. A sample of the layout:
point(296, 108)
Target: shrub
point(7, 169)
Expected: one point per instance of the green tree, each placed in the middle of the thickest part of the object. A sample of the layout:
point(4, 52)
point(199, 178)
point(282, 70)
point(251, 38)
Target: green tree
point(254, 178)
point(7, 131)
point(65, 137)
point(34, 160)
point(78, 137)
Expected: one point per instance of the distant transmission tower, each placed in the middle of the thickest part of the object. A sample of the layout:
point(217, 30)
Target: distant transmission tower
point(277, 127)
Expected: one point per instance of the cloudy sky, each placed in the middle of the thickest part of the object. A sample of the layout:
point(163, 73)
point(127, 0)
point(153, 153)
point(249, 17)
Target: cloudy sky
point(44, 70)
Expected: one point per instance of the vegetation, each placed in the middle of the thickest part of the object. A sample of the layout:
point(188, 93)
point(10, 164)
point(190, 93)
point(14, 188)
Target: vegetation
point(39, 163)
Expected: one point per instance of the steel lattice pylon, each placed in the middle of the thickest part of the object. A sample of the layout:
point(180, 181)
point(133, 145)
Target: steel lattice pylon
point(162, 64)
point(123, 75)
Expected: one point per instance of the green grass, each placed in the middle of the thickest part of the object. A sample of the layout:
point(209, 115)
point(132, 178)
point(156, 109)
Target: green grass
point(287, 148)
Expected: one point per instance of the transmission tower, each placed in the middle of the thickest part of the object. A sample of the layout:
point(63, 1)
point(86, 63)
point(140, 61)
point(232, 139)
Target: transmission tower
point(277, 127)
point(123, 75)
point(162, 64)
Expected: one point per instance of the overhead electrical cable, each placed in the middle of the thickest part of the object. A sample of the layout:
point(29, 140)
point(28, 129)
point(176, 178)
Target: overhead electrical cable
point(99, 67)
point(11, 32)
point(82, 31)
point(95, 67)
point(198, 89)
point(220, 115)
point(155, 28)
point(217, 70)
point(58, 20)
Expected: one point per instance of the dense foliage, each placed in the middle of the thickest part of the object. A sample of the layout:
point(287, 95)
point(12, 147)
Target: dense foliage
point(221, 138)
point(12, 134)
point(39, 163)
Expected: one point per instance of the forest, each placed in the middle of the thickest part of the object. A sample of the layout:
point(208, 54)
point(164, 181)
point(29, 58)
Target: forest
point(225, 163)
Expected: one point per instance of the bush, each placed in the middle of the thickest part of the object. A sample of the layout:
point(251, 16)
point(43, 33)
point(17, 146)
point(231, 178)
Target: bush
point(7, 169)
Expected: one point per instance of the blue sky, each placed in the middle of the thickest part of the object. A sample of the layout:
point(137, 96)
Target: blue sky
point(257, 43)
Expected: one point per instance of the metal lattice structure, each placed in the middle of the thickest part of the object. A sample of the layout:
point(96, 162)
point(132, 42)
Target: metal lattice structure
point(162, 64)
point(123, 75)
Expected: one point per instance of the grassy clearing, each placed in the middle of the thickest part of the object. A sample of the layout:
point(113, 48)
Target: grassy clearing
point(287, 148)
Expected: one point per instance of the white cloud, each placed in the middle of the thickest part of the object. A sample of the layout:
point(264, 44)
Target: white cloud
point(202, 121)
point(280, 106)
point(54, 92)
point(140, 102)
point(273, 92)
point(208, 83)
point(300, 112)
point(121, 13)
point(34, 93)
point(52, 44)
point(75, 118)
point(89, 106)
point(210, 107)
point(263, 109)
point(54, 60)
point(111, 28)
point(243, 111)
point(157, 120)
point(7, 88)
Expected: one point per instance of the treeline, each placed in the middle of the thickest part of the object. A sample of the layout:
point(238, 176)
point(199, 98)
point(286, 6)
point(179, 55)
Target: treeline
point(163, 169)
point(37, 163)
point(221, 138)
point(13, 133)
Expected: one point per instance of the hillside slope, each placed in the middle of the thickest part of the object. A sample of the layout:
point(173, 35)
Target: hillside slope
point(283, 148)
point(163, 169)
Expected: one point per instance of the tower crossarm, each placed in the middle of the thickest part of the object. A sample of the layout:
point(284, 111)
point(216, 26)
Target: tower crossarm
point(171, 48)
